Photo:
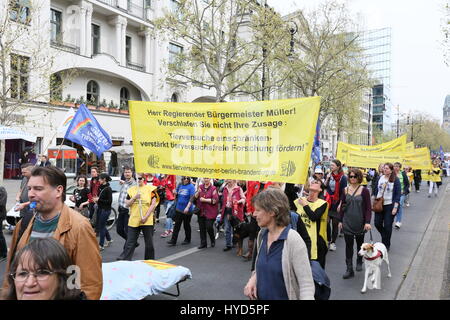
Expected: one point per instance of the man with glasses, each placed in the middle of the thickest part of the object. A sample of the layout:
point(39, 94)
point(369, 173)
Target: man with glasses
point(47, 190)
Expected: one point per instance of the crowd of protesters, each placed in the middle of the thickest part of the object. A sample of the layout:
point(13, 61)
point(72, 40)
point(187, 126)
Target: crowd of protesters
point(290, 228)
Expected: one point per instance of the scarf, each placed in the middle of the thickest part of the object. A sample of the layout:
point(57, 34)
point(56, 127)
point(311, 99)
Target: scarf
point(337, 179)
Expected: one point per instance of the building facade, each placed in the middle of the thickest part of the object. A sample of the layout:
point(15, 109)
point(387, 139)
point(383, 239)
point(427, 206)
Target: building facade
point(103, 53)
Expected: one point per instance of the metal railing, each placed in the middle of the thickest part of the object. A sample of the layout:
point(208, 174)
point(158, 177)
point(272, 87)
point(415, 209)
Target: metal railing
point(65, 46)
point(136, 10)
point(112, 3)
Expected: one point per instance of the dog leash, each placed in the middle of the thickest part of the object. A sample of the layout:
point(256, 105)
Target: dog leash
point(371, 238)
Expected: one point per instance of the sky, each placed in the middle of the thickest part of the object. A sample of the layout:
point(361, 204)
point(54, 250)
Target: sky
point(420, 80)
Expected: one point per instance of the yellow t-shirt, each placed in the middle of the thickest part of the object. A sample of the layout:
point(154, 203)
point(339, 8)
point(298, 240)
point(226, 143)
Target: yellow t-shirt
point(435, 174)
point(147, 195)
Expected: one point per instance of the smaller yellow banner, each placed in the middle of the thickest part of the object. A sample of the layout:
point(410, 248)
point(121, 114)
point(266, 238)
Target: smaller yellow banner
point(364, 159)
point(418, 159)
point(397, 145)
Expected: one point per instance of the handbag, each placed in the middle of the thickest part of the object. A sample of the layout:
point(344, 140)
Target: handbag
point(378, 203)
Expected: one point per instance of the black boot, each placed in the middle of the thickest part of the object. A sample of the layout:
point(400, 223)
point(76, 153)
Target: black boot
point(359, 263)
point(349, 273)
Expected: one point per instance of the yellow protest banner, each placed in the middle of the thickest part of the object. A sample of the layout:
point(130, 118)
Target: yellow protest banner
point(368, 159)
point(409, 147)
point(418, 159)
point(397, 145)
point(260, 140)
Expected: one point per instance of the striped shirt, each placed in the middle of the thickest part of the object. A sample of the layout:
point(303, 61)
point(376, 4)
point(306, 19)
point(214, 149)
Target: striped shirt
point(124, 192)
point(44, 228)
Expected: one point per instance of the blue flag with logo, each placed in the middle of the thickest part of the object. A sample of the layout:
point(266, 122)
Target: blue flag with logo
point(86, 131)
point(315, 155)
point(441, 153)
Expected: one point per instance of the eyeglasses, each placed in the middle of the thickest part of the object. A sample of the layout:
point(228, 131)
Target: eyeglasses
point(140, 178)
point(350, 177)
point(40, 275)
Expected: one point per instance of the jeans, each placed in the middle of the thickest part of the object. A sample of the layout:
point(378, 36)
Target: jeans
point(228, 229)
point(3, 247)
point(294, 220)
point(182, 218)
point(132, 238)
point(169, 221)
point(103, 215)
point(122, 222)
point(206, 226)
point(383, 223)
point(398, 217)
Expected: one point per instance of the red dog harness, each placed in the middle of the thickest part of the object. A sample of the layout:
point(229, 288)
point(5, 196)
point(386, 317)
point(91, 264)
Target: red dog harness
point(379, 254)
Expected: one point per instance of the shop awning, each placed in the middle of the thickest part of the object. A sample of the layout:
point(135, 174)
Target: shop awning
point(7, 133)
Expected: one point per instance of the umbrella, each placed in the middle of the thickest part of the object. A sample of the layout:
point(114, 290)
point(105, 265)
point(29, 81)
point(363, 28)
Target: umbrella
point(7, 133)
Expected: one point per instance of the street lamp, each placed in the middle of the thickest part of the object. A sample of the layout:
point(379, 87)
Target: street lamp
point(292, 30)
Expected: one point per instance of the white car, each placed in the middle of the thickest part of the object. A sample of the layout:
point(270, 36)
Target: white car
point(12, 217)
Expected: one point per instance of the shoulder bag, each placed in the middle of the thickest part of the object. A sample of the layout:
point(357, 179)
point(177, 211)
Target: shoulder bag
point(378, 203)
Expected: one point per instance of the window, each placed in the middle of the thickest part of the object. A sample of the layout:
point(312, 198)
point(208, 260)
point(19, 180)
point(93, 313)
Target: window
point(124, 97)
point(55, 21)
point(55, 87)
point(174, 51)
point(19, 11)
point(377, 90)
point(174, 98)
point(148, 3)
point(378, 100)
point(95, 39)
point(92, 92)
point(19, 76)
point(128, 48)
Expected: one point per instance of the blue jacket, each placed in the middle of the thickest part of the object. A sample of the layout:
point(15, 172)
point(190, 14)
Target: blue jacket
point(184, 194)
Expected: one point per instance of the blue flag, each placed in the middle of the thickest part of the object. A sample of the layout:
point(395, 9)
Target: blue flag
point(315, 155)
point(86, 131)
point(441, 153)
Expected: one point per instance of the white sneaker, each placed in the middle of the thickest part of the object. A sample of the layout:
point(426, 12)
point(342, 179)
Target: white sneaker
point(108, 243)
point(332, 247)
point(398, 225)
point(101, 248)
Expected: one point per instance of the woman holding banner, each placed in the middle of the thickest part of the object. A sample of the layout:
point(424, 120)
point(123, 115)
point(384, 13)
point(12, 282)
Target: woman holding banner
point(142, 201)
point(335, 184)
point(435, 178)
point(390, 190)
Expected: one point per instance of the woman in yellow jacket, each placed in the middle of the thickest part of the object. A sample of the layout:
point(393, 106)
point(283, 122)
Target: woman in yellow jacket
point(435, 177)
point(142, 201)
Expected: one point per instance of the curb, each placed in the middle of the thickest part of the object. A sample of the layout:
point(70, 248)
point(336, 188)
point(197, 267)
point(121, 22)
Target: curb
point(425, 277)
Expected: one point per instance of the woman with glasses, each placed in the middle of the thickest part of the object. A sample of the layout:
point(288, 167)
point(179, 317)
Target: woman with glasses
point(313, 212)
point(42, 270)
point(142, 201)
point(355, 215)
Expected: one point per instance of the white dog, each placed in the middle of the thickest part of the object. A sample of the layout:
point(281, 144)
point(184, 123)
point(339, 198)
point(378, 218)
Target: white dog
point(374, 255)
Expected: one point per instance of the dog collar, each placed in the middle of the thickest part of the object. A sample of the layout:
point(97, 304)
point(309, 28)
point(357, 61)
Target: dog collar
point(379, 254)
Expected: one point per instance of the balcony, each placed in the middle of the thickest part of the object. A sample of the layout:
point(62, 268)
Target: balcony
point(65, 46)
point(134, 9)
point(135, 66)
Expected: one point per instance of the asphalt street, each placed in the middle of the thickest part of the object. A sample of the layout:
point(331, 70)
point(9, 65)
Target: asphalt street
point(218, 275)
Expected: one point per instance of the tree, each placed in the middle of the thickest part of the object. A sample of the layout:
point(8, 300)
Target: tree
point(328, 61)
point(224, 42)
point(26, 64)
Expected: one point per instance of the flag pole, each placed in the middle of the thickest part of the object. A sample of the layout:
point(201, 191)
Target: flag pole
point(140, 200)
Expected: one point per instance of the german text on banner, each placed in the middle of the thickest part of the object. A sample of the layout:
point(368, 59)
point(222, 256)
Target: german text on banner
point(368, 159)
point(418, 159)
point(260, 140)
point(396, 145)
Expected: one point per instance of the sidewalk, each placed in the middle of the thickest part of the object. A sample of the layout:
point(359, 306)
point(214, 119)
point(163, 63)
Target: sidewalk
point(12, 187)
point(428, 274)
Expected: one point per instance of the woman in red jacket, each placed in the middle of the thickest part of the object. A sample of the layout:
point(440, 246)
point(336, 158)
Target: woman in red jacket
point(233, 200)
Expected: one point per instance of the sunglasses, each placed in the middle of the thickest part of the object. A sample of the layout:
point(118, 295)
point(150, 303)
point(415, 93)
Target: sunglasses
point(351, 177)
point(140, 178)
